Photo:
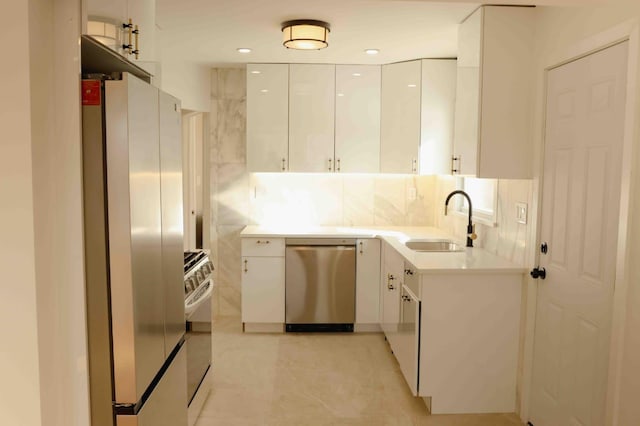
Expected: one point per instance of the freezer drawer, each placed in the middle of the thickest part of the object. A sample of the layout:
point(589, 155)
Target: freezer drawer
point(320, 284)
point(167, 404)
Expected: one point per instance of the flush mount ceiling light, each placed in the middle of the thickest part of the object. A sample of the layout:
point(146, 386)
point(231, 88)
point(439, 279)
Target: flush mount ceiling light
point(305, 34)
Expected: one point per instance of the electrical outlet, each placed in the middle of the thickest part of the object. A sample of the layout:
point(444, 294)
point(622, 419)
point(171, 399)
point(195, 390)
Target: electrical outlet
point(413, 193)
point(521, 213)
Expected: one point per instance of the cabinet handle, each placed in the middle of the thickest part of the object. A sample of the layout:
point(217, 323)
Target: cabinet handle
point(263, 242)
point(408, 272)
point(414, 165)
point(453, 165)
point(390, 285)
point(136, 51)
point(330, 168)
point(338, 164)
point(361, 248)
point(283, 164)
point(245, 266)
point(129, 29)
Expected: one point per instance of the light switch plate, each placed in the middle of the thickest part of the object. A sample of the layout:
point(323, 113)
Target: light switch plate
point(521, 213)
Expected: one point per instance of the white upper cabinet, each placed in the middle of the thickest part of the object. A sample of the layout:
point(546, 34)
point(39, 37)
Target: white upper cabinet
point(311, 117)
point(357, 132)
point(492, 113)
point(267, 117)
point(400, 117)
point(142, 14)
point(437, 112)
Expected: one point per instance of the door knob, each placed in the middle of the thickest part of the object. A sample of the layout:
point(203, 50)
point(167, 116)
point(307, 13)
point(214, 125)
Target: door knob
point(538, 273)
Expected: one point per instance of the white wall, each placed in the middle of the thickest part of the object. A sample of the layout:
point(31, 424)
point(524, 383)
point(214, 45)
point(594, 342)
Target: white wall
point(19, 369)
point(561, 33)
point(54, 28)
point(42, 317)
point(189, 82)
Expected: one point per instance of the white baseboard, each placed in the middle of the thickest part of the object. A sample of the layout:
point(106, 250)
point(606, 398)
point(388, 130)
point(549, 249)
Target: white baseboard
point(259, 327)
point(367, 328)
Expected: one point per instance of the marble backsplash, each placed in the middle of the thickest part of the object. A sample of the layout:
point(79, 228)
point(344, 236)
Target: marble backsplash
point(239, 198)
point(341, 200)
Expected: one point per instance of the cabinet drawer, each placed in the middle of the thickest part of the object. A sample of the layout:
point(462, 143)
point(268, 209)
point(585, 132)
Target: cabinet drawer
point(263, 247)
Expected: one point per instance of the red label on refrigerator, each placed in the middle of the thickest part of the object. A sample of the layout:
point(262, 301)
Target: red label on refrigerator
point(91, 92)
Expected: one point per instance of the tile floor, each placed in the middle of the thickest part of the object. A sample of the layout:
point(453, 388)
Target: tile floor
point(315, 379)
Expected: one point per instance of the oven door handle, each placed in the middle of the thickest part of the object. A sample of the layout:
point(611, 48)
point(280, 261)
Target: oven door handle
point(191, 306)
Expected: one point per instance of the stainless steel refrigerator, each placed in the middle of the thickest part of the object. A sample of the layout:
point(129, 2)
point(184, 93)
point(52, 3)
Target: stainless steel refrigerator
point(133, 253)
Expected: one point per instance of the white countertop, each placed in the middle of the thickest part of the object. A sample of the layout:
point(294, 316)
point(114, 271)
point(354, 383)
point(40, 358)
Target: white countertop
point(471, 260)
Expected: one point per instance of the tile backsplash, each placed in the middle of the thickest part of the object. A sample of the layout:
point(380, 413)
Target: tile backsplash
point(341, 200)
point(239, 198)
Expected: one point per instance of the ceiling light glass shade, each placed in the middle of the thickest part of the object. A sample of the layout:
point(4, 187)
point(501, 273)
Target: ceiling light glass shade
point(305, 34)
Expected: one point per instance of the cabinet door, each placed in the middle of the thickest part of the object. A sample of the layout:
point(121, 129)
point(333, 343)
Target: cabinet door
point(504, 150)
point(143, 14)
point(357, 147)
point(392, 286)
point(465, 141)
point(368, 281)
point(438, 105)
point(408, 338)
point(400, 117)
point(263, 289)
point(267, 117)
point(311, 117)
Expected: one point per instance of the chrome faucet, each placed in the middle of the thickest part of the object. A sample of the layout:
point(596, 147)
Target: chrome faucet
point(471, 234)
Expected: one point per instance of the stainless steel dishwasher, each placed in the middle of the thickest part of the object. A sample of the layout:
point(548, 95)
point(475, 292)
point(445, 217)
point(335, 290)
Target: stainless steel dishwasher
point(320, 284)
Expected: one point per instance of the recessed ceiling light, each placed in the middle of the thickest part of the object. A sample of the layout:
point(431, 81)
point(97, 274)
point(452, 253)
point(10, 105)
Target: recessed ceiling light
point(356, 74)
point(372, 51)
point(255, 72)
point(243, 50)
point(411, 85)
point(264, 90)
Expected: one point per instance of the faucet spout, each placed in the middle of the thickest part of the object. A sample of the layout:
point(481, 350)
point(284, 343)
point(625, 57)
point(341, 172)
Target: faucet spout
point(470, 227)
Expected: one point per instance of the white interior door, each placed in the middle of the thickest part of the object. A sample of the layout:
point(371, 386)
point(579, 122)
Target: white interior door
point(580, 209)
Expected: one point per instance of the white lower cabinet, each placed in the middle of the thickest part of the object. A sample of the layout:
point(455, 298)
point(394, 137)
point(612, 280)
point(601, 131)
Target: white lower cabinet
point(263, 289)
point(367, 282)
point(407, 350)
point(469, 336)
point(263, 275)
point(455, 335)
point(390, 289)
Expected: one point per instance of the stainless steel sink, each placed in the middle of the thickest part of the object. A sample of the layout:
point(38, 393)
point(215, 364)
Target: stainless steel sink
point(433, 245)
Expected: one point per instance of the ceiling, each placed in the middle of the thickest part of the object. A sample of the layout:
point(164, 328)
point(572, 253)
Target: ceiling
point(209, 31)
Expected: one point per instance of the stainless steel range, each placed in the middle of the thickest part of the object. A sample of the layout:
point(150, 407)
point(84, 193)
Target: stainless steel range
point(198, 281)
point(198, 288)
